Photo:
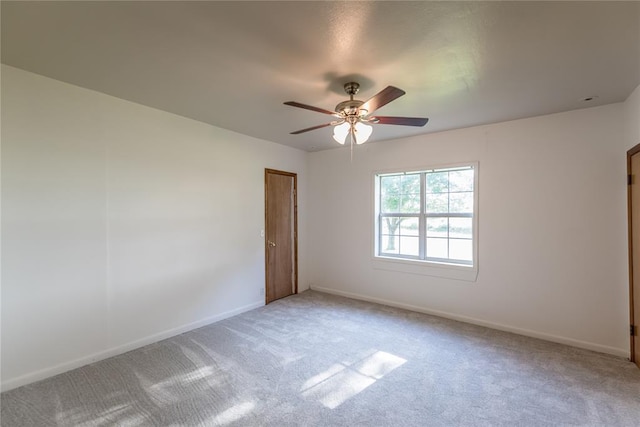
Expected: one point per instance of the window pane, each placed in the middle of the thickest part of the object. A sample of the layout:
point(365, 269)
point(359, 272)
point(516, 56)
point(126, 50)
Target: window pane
point(400, 193)
point(437, 248)
point(437, 182)
point(461, 249)
point(461, 202)
point(436, 227)
point(389, 244)
point(461, 180)
point(409, 227)
point(389, 184)
point(389, 193)
point(409, 246)
point(391, 225)
point(437, 203)
point(409, 203)
point(411, 184)
point(389, 203)
point(460, 227)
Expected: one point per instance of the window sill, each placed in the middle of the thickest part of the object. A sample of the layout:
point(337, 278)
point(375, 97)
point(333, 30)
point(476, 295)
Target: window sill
point(426, 268)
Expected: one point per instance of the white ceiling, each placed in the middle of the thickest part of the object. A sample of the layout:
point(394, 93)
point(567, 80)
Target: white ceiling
point(233, 64)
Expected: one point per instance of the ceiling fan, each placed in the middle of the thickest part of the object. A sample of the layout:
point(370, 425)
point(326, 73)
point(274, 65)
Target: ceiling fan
point(354, 116)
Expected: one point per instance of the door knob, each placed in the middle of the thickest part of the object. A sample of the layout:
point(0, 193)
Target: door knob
point(272, 244)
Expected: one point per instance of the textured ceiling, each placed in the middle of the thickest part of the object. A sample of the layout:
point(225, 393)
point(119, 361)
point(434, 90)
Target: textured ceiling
point(233, 64)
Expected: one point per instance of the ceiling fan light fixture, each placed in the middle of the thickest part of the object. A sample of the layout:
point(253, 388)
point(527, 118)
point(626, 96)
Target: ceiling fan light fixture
point(340, 132)
point(362, 132)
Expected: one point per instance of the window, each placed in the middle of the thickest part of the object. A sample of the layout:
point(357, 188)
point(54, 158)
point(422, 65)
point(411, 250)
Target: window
point(427, 215)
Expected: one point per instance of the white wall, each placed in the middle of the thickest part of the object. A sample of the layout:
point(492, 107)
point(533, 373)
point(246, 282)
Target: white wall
point(122, 224)
point(632, 119)
point(552, 225)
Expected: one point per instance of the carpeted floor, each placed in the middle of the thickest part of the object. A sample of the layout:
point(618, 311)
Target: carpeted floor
point(319, 360)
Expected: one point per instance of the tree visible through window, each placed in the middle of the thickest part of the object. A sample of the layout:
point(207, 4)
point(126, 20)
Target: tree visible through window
point(427, 215)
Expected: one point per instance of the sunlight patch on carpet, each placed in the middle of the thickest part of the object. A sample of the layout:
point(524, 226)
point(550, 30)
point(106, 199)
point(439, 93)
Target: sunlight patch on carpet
point(233, 414)
point(342, 381)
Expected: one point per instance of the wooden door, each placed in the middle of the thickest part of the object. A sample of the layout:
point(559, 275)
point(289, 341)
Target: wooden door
point(633, 194)
point(281, 243)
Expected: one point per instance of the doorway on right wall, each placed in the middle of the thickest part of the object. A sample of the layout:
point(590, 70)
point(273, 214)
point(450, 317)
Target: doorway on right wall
point(633, 206)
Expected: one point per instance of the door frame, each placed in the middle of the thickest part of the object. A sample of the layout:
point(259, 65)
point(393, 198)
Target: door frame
point(631, 153)
point(268, 171)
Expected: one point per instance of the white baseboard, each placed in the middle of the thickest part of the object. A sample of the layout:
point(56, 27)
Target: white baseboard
point(526, 332)
point(77, 363)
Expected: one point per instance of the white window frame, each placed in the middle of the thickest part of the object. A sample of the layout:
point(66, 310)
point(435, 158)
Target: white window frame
point(415, 265)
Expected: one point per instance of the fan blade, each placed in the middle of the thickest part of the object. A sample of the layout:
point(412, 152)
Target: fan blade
point(309, 107)
point(311, 128)
point(404, 121)
point(382, 98)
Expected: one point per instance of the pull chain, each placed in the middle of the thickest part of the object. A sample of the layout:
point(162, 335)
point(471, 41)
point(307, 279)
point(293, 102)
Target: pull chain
point(351, 134)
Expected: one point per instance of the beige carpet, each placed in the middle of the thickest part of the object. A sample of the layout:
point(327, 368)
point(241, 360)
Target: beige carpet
point(319, 360)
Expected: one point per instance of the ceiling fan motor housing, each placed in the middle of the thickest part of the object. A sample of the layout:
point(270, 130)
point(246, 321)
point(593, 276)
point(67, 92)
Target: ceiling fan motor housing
point(351, 108)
